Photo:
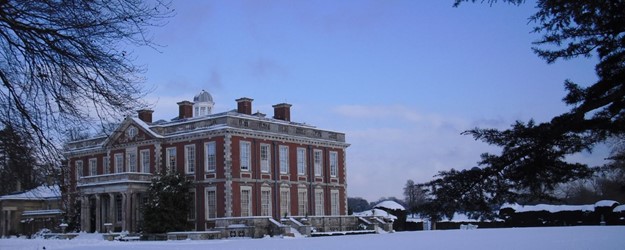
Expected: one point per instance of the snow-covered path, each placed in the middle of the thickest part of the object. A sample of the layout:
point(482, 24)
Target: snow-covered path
point(583, 237)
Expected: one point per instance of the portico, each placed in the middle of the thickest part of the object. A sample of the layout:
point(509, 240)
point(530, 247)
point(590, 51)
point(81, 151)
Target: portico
point(113, 198)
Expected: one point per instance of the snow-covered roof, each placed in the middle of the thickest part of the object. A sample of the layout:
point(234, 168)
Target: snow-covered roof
point(42, 212)
point(620, 208)
point(548, 208)
point(42, 192)
point(376, 212)
point(606, 203)
point(146, 127)
point(392, 205)
point(175, 128)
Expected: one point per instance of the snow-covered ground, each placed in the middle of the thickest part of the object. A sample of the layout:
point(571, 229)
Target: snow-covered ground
point(583, 237)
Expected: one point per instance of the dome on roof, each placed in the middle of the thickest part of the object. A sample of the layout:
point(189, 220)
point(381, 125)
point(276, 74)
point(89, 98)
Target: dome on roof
point(203, 104)
point(203, 97)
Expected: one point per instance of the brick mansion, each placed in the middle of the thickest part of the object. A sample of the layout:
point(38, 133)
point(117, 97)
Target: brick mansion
point(242, 165)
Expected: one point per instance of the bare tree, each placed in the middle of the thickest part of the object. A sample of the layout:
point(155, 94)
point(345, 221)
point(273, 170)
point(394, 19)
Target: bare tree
point(68, 64)
point(413, 196)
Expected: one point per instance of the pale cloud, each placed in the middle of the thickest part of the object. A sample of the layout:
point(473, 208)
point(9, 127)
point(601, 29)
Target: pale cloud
point(214, 79)
point(264, 67)
point(398, 114)
point(378, 112)
point(395, 143)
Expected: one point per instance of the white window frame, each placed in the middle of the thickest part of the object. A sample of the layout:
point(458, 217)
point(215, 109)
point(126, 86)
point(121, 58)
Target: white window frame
point(246, 202)
point(119, 163)
point(131, 155)
point(334, 202)
point(284, 159)
point(208, 212)
point(265, 157)
point(302, 202)
point(190, 158)
point(245, 155)
point(318, 162)
point(319, 206)
point(93, 166)
point(145, 160)
point(334, 163)
point(210, 156)
point(79, 169)
point(265, 201)
point(106, 165)
point(170, 159)
point(301, 161)
point(285, 201)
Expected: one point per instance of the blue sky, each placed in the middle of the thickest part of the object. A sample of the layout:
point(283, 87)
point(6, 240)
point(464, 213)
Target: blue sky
point(402, 79)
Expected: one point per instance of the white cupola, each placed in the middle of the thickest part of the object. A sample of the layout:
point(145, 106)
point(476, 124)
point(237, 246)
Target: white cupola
point(202, 104)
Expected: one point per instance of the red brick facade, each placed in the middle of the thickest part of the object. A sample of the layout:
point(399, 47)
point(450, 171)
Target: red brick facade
point(231, 178)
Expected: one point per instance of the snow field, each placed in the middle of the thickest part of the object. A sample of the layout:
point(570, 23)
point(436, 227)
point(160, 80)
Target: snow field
point(582, 237)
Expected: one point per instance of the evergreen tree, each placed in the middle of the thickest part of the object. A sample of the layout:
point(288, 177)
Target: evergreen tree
point(168, 204)
point(18, 167)
point(532, 162)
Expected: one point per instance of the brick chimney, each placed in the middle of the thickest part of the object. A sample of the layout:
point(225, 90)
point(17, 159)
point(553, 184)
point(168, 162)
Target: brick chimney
point(244, 105)
point(282, 111)
point(145, 115)
point(185, 109)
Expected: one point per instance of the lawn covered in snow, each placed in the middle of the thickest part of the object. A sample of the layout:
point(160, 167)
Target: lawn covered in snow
point(582, 237)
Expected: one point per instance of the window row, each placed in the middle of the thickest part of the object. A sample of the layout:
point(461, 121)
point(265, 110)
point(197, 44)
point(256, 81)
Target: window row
point(190, 158)
point(119, 166)
point(283, 161)
point(246, 198)
point(210, 160)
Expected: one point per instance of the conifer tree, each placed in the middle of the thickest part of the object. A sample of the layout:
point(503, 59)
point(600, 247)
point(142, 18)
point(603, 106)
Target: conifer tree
point(168, 204)
point(533, 158)
point(18, 167)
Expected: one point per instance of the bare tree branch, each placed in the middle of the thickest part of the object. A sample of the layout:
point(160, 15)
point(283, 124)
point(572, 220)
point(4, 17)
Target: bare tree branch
point(66, 64)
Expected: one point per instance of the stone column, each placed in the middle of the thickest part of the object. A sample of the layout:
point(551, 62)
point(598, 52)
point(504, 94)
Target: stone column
point(9, 222)
point(82, 213)
point(85, 214)
point(135, 211)
point(131, 213)
point(98, 214)
point(124, 212)
point(111, 215)
point(128, 209)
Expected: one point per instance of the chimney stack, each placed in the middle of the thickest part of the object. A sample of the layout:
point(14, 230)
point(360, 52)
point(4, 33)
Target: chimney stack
point(145, 115)
point(244, 105)
point(282, 111)
point(185, 109)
